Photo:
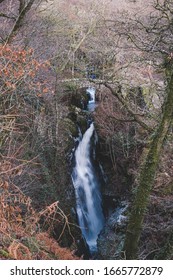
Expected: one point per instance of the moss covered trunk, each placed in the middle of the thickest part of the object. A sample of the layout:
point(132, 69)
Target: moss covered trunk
point(147, 175)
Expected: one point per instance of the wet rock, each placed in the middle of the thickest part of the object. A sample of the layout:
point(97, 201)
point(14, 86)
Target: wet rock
point(79, 117)
point(111, 239)
point(70, 94)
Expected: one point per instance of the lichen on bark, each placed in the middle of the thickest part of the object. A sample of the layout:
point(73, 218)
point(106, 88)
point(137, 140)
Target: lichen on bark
point(147, 173)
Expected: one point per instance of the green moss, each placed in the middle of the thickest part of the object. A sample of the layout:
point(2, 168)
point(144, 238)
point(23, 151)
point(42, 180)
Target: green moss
point(4, 253)
point(148, 92)
point(82, 122)
point(70, 127)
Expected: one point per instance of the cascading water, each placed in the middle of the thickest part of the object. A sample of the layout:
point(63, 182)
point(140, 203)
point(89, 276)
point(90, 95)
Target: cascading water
point(87, 190)
point(91, 91)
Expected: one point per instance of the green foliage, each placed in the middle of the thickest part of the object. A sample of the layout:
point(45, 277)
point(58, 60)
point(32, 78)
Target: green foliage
point(4, 254)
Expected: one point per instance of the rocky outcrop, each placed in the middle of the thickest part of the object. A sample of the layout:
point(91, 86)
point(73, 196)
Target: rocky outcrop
point(111, 239)
point(72, 95)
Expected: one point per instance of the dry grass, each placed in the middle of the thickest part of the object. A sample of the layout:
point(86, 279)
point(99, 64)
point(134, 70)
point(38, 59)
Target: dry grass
point(20, 234)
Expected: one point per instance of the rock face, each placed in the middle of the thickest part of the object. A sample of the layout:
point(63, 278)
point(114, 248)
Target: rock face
point(118, 146)
point(73, 96)
point(111, 239)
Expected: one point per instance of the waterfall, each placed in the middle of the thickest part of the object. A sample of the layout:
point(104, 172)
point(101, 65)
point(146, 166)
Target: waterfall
point(87, 191)
point(91, 91)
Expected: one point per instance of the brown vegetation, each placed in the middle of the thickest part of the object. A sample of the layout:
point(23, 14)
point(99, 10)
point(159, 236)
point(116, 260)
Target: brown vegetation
point(21, 226)
point(21, 236)
point(130, 48)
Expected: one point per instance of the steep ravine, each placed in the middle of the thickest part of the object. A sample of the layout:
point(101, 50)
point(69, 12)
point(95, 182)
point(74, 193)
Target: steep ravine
point(117, 183)
point(96, 205)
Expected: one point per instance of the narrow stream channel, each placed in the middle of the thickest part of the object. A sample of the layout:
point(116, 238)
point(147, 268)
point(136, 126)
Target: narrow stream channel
point(87, 189)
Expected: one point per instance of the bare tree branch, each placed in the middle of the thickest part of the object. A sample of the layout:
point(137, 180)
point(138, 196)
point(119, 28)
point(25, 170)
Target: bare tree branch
point(6, 16)
point(90, 30)
point(129, 110)
point(23, 10)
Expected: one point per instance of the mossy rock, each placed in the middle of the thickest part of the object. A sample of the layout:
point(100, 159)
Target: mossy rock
point(70, 127)
point(69, 131)
point(79, 117)
point(80, 99)
point(110, 244)
point(82, 122)
point(72, 95)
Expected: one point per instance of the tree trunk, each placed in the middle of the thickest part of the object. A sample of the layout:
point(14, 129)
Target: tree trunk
point(147, 175)
point(23, 10)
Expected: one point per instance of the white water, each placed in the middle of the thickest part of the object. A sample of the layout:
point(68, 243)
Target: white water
point(88, 198)
point(91, 91)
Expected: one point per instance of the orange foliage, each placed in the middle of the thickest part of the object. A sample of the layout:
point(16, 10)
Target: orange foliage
point(19, 227)
point(50, 245)
point(18, 66)
point(19, 251)
point(19, 223)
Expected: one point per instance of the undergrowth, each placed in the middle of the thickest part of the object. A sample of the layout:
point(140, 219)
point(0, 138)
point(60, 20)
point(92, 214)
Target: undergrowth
point(21, 236)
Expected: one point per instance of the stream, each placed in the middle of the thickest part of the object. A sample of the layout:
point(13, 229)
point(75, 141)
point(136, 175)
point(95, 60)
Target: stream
point(87, 186)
